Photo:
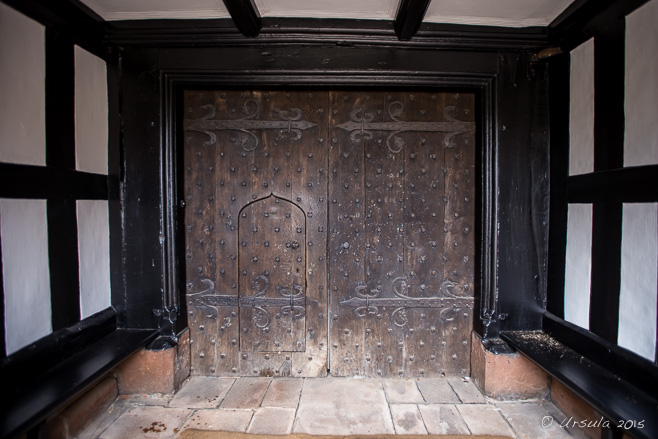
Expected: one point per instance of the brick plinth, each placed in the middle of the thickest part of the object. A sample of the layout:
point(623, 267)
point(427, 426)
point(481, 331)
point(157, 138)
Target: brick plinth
point(73, 420)
point(149, 372)
point(506, 376)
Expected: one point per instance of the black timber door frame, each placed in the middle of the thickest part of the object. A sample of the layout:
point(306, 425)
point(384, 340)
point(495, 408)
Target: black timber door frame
point(172, 84)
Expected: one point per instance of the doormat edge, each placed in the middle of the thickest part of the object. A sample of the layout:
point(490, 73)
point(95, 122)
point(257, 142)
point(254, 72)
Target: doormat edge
point(216, 434)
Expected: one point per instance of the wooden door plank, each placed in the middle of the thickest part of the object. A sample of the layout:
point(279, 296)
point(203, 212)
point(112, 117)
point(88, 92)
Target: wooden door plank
point(234, 159)
point(459, 237)
point(200, 220)
point(310, 192)
point(384, 230)
point(346, 217)
point(272, 165)
point(424, 210)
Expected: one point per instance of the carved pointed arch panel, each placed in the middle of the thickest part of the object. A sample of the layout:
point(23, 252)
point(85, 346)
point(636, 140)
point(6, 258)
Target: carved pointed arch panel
point(272, 281)
point(329, 232)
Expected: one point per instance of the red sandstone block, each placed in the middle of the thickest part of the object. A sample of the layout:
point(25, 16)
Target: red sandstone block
point(574, 407)
point(73, 420)
point(506, 376)
point(147, 372)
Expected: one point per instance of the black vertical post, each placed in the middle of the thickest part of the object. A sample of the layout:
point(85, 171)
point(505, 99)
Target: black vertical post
point(60, 100)
point(63, 257)
point(559, 68)
point(115, 171)
point(245, 15)
point(609, 62)
point(3, 343)
point(60, 153)
point(409, 17)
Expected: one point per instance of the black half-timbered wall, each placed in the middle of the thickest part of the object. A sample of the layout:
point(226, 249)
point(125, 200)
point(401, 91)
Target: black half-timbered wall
point(610, 185)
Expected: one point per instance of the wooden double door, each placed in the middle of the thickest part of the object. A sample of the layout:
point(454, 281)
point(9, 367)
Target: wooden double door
point(329, 232)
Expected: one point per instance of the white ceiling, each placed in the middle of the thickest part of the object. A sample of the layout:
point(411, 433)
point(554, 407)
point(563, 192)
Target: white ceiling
point(510, 13)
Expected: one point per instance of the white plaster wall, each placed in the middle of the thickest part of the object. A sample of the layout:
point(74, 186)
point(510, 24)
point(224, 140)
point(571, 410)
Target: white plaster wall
point(639, 279)
point(581, 116)
point(363, 9)
point(510, 13)
point(22, 89)
point(94, 255)
point(91, 112)
point(26, 276)
point(578, 265)
point(157, 9)
point(641, 135)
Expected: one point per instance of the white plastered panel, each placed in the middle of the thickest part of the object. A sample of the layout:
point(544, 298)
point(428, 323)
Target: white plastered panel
point(22, 89)
point(639, 279)
point(578, 265)
point(641, 94)
point(91, 125)
point(581, 112)
point(25, 272)
point(94, 254)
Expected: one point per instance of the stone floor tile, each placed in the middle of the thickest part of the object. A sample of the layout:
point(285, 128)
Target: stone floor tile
point(104, 420)
point(532, 421)
point(466, 390)
point(484, 419)
point(155, 399)
point(246, 393)
point(400, 391)
point(272, 420)
point(283, 392)
point(407, 419)
point(202, 392)
point(437, 391)
point(219, 419)
point(152, 422)
point(443, 419)
point(342, 406)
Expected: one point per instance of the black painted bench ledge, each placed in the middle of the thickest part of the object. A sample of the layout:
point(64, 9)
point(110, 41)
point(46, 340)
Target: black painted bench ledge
point(614, 381)
point(42, 378)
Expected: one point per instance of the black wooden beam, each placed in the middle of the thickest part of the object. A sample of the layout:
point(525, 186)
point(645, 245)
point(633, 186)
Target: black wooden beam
point(409, 17)
point(584, 19)
point(115, 170)
point(620, 361)
point(45, 353)
point(60, 155)
point(626, 185)
point(64, 263)
point(609, 79)
point(30, 399)
point(559, 101)
point(60, 100)
point(316, 31)
point(46, 182)
point(245, 15)
point(611, 395)
point(3, 344)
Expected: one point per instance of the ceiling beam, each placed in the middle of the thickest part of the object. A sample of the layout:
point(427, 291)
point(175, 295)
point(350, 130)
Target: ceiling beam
point(409, 17)
point(245, 15)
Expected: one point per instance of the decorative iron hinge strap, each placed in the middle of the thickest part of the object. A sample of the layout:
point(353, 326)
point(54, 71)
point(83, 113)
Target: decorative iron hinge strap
point(428, 302)
point(367, 301)
point(228, 300)
point(361, 126)
point(291, 122)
